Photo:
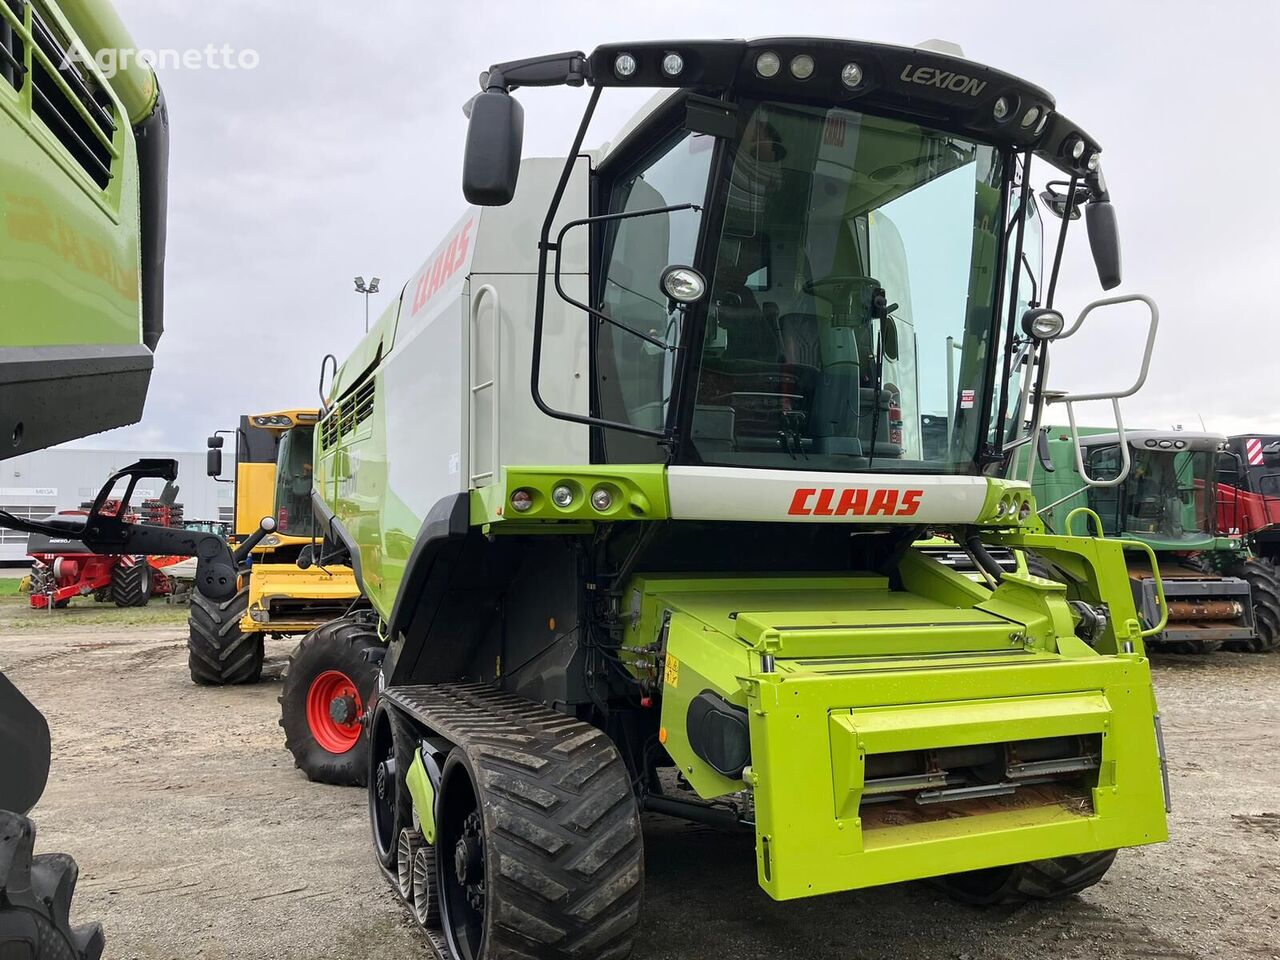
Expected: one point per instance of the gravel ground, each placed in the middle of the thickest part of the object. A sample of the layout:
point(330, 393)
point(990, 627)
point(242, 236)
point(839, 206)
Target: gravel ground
point(197, 838)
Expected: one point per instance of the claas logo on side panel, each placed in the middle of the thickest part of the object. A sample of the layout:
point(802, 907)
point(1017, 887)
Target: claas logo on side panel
point(854, 502)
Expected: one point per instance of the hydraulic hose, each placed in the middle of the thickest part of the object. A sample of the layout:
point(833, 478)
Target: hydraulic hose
point(978, 550)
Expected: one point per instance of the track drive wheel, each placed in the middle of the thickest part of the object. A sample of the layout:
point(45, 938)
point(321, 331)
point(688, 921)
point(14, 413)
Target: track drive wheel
point(1020, 882)
point(218, 651)
point(390, 808)
point(131, 584)
point(538, 843)
point(1265, 590)
point(35, 900)
point(327, 690)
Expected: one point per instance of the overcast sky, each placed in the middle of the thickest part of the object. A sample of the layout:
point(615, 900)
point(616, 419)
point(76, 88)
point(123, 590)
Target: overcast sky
point(339, 154)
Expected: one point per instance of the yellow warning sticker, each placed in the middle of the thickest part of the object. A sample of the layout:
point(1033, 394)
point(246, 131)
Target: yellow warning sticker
point(671, 673)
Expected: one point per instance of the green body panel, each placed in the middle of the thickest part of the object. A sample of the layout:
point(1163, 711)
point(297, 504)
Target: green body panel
point(70, 269)
point(833, 668)
point(424, 797)
point(99, 28)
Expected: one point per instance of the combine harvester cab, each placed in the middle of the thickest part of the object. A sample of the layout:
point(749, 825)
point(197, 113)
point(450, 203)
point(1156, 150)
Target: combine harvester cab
point(1218, 594)
point(84, 162)
point(633, 473)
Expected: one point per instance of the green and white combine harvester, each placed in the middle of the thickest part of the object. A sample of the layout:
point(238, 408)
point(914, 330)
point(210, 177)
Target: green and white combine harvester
point(1161, 487)
point(633, 470)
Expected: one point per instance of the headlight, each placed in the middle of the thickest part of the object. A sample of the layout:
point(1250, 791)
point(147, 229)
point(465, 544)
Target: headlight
point(1043, 323)
point(601, 499)
point(521, 500)
point(768, 64)
point(562, 496)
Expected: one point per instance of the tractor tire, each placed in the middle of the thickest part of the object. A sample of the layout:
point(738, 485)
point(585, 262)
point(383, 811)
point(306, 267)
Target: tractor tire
point(131, 584)
point(35, 900)
point(1265, 590)
point(1022, 882)
point(218, 652)
point(539, 850)
point(328, 687)
point(62, 604)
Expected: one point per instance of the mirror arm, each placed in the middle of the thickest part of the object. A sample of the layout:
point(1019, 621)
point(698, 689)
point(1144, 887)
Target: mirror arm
point(553, 70)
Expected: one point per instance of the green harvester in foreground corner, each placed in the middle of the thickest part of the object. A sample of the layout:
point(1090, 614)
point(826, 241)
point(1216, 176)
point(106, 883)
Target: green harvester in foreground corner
point(633, 472)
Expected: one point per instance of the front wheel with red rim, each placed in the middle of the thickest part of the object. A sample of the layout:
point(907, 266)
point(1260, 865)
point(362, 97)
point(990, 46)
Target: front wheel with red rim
point(328, 687)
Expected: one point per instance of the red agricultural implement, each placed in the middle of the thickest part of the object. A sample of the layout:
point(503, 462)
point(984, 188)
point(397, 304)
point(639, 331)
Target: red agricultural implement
point(62, 569)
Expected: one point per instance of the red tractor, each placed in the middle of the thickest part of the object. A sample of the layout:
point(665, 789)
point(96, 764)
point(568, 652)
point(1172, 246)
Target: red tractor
point(63, 568)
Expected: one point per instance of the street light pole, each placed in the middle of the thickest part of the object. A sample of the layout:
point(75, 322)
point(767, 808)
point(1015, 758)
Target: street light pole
point(366, 290)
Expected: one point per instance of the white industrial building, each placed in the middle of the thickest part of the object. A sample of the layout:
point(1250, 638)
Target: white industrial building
point(46, 481)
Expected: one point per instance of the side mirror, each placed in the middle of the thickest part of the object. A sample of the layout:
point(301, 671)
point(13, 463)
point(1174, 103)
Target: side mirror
point(1104, 241)
point(491, 162)
point(213, 460)
point(889, 338)
point(1271, 454)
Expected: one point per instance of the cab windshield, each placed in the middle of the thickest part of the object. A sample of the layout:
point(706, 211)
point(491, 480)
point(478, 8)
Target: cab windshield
point(293, 483)
point(853, 296)
point(1168, 495)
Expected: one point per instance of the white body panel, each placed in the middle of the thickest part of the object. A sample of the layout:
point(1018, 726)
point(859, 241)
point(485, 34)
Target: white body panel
point(731, 493)
point(455, 384)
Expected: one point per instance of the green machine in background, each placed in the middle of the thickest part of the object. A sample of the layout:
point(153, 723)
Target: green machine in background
point(83, 188)
point(1217, 593)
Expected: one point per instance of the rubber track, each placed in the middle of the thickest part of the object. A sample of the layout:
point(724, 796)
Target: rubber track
point(217, 651)
point(558, 808)
point(35, 899)
point(1265, 592)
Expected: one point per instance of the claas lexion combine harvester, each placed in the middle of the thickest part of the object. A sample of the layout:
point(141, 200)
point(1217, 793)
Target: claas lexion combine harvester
point(633, 471)
point(281, 591)
point(1161, 488)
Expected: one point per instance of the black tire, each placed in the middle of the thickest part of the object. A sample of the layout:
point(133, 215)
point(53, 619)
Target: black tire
point(131, 584)
point(1021, 882)
point(62, 604)
point(538, 847)
point(35, 900)
point(1264, 589)
point(218, 652)
point(337, 647)
point(390, 807)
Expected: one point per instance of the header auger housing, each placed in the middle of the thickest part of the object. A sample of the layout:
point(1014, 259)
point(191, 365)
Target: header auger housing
point(660, 527)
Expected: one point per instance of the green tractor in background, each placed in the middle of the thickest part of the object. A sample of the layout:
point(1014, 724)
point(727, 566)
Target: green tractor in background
point(1218, 594)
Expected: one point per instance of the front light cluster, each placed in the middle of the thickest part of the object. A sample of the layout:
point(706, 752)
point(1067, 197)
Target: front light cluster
point(568, 495)
point(275, 420)
point(1014, 507)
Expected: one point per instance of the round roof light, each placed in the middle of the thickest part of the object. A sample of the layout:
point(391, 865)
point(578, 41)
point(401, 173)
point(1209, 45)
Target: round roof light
point(1024, 512)
point(851, 75)
point(683, 284)
point(672, 64)
point(768, 64)
point(1166, 444)
point(1092, 164)
point(1044, 120)
point(521, 500)
point(601, 498)
point(802, 67)
point(1001, 110)
point(1043, 323)
point(1077, 149)
point(562, 495)
point(624, 65)
point(1031, 116)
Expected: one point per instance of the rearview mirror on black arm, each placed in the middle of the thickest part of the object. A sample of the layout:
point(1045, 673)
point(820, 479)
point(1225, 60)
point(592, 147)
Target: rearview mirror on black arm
point(495, 136)
point(1104, 241)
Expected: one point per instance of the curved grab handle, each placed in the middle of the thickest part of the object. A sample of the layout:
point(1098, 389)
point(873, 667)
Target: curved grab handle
point(1155, 574)
point(1088, 515)
point(1115, 396)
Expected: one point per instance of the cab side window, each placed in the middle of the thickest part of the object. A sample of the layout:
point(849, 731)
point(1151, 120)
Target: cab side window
point(634, 377)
